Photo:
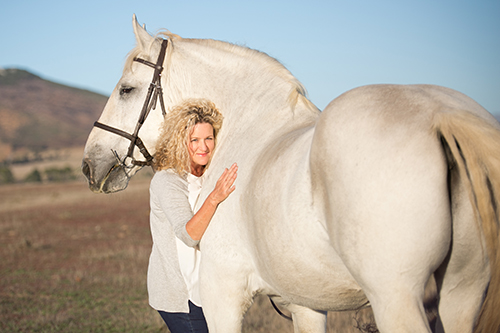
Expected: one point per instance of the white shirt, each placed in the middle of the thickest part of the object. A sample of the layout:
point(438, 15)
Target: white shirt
point(189, 257)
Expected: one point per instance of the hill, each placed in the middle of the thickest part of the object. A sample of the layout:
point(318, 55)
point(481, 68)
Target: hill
point(38, 115)
point(43, 125)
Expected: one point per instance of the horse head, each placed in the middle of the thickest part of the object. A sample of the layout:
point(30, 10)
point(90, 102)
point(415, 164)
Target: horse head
point(129, 121)
point(245, 85)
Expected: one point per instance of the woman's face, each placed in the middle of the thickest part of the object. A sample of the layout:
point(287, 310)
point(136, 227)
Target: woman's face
point(201, 145)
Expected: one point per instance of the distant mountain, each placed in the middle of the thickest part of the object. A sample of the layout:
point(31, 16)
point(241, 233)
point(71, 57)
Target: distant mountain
point(36, 114)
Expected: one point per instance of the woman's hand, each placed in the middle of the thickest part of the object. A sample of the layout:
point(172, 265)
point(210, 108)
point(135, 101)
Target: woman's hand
point(198, 224)
point(224, 185)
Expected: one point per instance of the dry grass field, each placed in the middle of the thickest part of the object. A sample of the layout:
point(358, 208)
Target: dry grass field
point(74, 261)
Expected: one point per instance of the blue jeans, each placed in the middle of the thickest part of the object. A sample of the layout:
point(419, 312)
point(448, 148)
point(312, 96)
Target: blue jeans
point(192, 322)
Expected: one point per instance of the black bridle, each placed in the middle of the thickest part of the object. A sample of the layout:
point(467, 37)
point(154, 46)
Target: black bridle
point(155, 92)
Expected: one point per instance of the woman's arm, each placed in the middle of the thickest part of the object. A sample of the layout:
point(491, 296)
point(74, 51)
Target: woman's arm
point(199, 222)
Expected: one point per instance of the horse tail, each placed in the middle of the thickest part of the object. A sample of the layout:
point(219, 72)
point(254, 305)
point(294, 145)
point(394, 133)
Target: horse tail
point(475, 148)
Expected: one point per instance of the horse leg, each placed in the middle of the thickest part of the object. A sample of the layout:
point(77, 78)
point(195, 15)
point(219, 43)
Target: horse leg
point(305, 320)
point(226, 294)
point(399, 310)
point(395, 230)
point(225, 306)
point(463, 277)
point(393, 271)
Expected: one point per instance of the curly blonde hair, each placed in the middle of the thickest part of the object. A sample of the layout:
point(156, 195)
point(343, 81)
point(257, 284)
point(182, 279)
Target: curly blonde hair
point(172, 145)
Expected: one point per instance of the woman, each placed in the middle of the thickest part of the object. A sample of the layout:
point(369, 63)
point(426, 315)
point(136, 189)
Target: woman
point(183, 152)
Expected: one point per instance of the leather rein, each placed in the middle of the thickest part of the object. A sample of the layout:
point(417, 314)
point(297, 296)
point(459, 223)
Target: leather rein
point(155, 92)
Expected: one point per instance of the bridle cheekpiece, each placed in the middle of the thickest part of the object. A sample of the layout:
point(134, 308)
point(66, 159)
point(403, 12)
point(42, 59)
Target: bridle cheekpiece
point(155, 92)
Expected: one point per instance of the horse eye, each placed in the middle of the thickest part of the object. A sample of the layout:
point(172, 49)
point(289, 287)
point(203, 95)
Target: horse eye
point(126, 90)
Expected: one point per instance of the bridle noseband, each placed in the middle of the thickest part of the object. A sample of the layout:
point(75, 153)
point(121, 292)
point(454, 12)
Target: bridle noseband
point(155, 92)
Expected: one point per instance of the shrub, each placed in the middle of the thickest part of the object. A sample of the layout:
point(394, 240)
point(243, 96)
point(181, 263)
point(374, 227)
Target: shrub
point(59, 174)
point(34, 176)
point(6, 176)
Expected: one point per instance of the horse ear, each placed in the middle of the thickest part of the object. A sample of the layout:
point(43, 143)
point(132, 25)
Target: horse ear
point(142, 37)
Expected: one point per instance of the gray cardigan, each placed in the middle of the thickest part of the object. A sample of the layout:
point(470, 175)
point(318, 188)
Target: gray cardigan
point(170, 212)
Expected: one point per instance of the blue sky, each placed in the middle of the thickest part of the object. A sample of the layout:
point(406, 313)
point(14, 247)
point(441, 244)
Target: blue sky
point(330, 46)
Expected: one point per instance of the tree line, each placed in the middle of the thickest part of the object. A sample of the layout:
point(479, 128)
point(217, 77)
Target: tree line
point(51, 174)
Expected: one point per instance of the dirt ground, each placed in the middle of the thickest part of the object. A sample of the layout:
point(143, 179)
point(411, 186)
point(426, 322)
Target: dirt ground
point(72, 260)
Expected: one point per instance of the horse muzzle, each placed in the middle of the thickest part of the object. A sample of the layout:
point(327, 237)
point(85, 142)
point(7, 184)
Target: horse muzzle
point(104, 179)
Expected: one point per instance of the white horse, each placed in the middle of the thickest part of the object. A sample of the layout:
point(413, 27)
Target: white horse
point(353, 206)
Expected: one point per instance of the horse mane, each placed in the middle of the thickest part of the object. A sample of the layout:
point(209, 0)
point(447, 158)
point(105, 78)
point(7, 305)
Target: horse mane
point(297, 92)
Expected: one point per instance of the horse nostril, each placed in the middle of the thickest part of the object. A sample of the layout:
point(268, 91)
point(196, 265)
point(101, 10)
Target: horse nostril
point(86, 170)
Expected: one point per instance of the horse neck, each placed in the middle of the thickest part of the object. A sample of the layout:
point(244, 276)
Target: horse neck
point(250, 88)
point(253, 93)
